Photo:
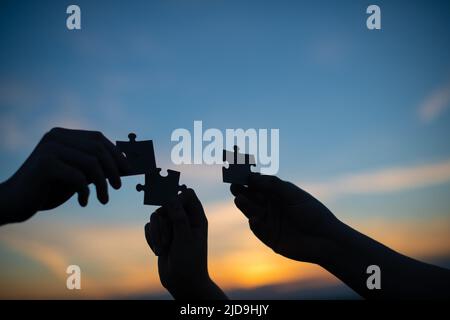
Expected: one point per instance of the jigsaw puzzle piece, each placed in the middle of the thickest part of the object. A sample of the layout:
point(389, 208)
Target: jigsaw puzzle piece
point(140, 155)
point(158, 190)
point(239, 166)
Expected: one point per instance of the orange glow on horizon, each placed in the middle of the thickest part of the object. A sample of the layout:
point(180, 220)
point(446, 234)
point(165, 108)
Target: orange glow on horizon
point(116, 261)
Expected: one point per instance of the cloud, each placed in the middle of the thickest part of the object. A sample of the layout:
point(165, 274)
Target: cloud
point(17, 134)
point(116, 261)
point(49, 256)
point(435, 104)
point(113, 259)
point(382, 181)
point(19, 130)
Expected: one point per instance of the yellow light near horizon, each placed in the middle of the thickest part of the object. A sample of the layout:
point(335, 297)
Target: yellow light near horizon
point(116, 261)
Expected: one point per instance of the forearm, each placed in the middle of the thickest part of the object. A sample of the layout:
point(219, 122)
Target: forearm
point(214, 292)
point(7, 206)
point(206, 290)
point(17, 203)
point(401, 277)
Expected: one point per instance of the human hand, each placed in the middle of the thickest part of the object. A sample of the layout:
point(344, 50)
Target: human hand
point(287, 219)
point(296, 225)
point(63, 163)
point(178, 234)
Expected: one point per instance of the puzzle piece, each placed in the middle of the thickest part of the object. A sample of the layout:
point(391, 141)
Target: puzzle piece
point(239, 166)
point(159, 190)
point(140, 155)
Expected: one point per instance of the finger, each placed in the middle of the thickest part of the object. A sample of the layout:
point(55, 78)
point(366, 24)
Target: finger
point(72, 179)
point(88, 165)
point(119, 158)
point(93, 142)
point(248, 207)
point(274, 185)
point(194, 208)
point(179, 220)
point(261, 231)
point(149, 237)
point(107, 162)
point(83, 196)
point(166, 232)
point(155, 231)
point(237, 189)
point(255, 196)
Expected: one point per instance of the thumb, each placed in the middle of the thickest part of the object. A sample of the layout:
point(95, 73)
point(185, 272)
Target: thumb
point(262, 231)
point(180, 222)
point(150, 239)
point(249, 208)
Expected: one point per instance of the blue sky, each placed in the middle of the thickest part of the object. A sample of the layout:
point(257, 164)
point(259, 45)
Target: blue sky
point(349, 102)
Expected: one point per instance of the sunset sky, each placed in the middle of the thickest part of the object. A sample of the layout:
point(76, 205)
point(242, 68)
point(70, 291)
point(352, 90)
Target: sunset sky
point(363, 116)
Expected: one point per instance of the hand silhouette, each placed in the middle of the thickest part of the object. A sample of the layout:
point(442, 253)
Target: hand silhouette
point(296, 225)
point(177, 233)
point(286, 218)
point(63, 163)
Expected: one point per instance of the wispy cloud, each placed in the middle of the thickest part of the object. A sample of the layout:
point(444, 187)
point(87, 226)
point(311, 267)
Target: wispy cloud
point(49, 256)
point(435, 104)
point(115, 259)
point(383, 180)
point(22, 124)
point(17, 134)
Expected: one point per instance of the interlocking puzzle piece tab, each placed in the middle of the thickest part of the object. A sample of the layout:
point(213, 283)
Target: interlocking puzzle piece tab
point(159, 190)
point(140, 155)
point(239, 164)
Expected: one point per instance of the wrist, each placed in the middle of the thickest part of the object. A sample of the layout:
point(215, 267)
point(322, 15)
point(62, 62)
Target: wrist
point(335, 246)
point(203, 288)
point(211, 291)
point(13, 208)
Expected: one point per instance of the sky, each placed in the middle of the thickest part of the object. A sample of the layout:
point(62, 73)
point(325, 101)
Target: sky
point(363, 116)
